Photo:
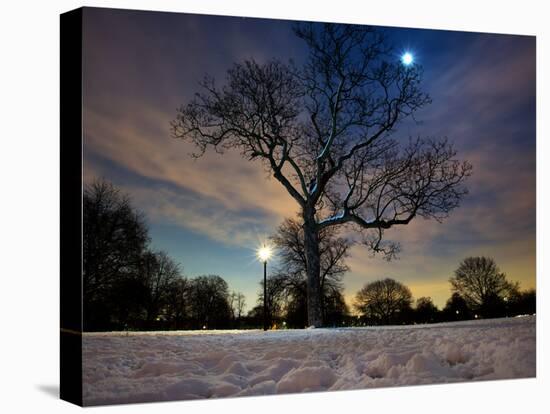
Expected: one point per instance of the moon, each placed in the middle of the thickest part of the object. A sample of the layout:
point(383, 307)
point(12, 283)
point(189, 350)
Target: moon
point(407, 58)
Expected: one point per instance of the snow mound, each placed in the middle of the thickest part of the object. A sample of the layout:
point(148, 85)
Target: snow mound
point(186, 387)
point(262, 388)
point(307, 379)
point(160, 366)
point(454, 354)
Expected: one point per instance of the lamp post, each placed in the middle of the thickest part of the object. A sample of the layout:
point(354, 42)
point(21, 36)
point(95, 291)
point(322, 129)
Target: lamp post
point(264, 253)
point(265, 295)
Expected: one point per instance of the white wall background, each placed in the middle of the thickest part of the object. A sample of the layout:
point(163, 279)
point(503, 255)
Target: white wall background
point(29, 194)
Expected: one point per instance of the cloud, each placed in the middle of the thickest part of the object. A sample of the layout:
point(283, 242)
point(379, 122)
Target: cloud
point(141, 144)
point(201, 215)
point(136, 75)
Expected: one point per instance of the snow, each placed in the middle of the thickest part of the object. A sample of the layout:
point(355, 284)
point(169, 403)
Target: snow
point(331, 219)
point(159, 366)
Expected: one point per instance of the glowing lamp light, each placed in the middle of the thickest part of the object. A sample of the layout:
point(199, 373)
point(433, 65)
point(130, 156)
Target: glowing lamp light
point(407, 58)
point(264, 253)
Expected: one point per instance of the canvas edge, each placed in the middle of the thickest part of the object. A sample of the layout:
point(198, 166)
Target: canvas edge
point(71, 206)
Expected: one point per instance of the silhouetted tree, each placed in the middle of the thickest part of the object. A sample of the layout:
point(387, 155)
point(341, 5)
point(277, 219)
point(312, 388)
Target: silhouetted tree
point(128, 286)
point(456, 309)
point(275, 301)
point(158, 272)
point(290, 279)
point(383, 301)
point(209, 302)
point(479, 281)
point(114, 239)
point(254, 317)
point(528, 302)
point(425, 311)
point(237, 304)
point(326, 132)
point(335, 309)
point(124, 304)
point(178, 303)
point(522, 303)
point(295, 311)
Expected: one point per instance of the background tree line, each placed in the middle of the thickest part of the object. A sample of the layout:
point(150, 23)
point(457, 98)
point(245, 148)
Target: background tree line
point(479, 290)
point(127, 285)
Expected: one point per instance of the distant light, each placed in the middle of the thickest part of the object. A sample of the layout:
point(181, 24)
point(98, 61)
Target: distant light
point(264, 253)
point(407, 58)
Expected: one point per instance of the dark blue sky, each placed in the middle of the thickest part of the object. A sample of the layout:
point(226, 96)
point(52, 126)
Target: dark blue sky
point(210, 214)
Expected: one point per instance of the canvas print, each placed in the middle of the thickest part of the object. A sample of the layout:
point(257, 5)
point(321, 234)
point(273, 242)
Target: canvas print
point(277, 206)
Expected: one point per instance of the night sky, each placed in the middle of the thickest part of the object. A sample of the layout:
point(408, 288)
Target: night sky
point(210, 214)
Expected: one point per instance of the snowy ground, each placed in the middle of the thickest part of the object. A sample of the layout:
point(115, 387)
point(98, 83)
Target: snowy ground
point(186, 365)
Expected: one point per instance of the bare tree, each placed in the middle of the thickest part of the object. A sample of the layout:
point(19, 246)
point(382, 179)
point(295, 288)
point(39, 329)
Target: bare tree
point(523, 303)
point(425, 311)
point(275, 301)
point(114, 238)
point(159, 272)
point(326, 132)
point(383, 300)
point(482, 285)
point(209, 297)
point(291, 275)
point(237, 303)
point(456, 309)
point(178, 302)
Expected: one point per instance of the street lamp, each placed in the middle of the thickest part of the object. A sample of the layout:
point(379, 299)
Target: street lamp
point(264, 253)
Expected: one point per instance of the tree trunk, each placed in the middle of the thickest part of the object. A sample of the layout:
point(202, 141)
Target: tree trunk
point(313, 265)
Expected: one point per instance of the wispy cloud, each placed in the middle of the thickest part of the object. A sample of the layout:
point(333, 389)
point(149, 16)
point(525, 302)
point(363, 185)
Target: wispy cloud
point(138, 69)
point(223, 190)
